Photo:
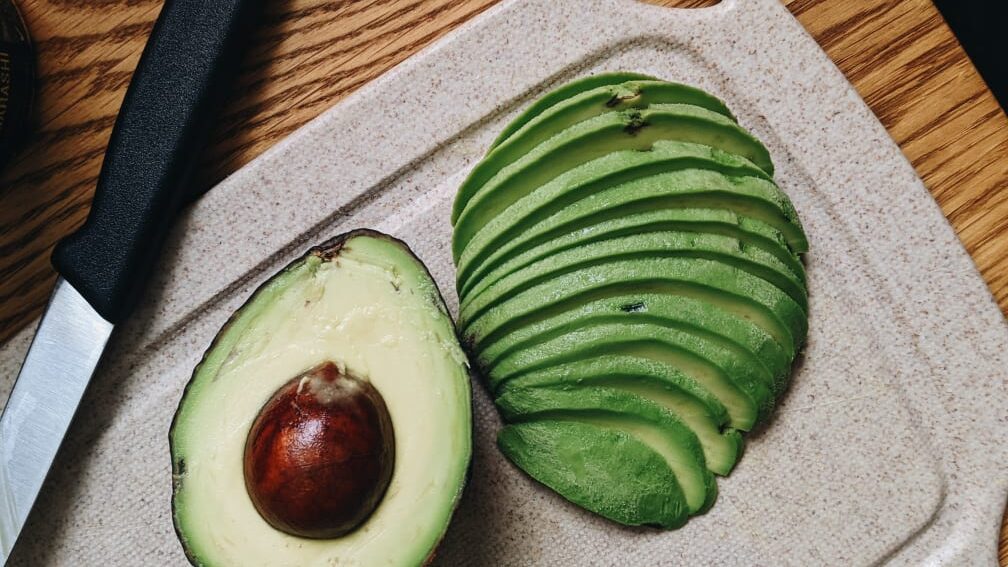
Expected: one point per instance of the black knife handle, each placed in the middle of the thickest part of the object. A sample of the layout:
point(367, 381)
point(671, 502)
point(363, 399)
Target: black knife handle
point(192, 54)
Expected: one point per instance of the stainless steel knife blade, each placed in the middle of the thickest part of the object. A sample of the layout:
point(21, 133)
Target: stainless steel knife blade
point(191, 54)
point(61, 360)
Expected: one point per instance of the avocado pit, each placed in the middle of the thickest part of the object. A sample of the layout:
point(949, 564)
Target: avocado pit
point(319, 455)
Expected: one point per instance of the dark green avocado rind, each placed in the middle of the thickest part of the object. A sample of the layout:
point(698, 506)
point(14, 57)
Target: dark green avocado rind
point(625, 183)
point(711, 247)
point(584, 106)
point(561, 94)
point(663, 384)
point(749, 340)
point(615, 409)
point(728, 287)
point(595, 138)
point(605, 471)
point(749, 232)
point(744, 390)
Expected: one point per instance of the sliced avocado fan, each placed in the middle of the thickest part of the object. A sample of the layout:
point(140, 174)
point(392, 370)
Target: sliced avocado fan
point(631, 287)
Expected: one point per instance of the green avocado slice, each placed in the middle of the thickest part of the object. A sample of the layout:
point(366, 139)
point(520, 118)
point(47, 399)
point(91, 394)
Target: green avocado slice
point(744, 389)
point(631, 285)
point(589, 104)
point(672, 175)
point(594, 138)
point(662, 384)
point(643, 245)
point(561, 94)
point(605, 470)
point(748, 339)
point(727, 287)
point(642, 419)
point(750, 233)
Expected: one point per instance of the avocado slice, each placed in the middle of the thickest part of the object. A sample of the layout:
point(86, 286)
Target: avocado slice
point(750, 233)
point(638, 417)
point(663, 384)
point(594, 138)
point(741, 335)
point(630, 182)
point(726, 287)
point(642, 245)
point(562, 93)
point(743, 389)
point(366, 307)
point(584, 106)
point(605, 470)
point(630, 284)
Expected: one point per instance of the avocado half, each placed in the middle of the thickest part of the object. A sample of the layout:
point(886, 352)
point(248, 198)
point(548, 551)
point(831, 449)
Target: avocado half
point(363, 306)
point(631, 286)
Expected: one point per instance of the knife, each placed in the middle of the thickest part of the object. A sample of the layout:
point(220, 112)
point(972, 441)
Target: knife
point(176, 89)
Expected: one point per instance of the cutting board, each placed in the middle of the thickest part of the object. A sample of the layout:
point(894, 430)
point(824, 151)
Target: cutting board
point(886, 448)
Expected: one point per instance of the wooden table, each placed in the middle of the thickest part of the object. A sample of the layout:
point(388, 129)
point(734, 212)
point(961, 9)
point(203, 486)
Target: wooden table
point(309, 54)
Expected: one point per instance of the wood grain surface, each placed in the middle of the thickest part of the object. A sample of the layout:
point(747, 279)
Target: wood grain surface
point(309, 54)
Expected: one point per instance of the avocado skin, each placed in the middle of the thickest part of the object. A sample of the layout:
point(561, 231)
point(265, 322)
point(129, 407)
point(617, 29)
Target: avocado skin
point(610, 408)
point(594, 138)
point(622, 479)
point(603, 188)
point(327, 251)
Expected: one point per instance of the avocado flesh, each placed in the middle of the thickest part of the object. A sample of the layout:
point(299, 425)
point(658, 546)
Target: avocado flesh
point(750, 233)
point(561, 94)
point(622, 254)
point(625, 183)
point(594, 138)
point(744, 390)
point(348, 301)
point(728, 288)
point(756, 345)
point(662, 384)
point(645, 245)
point(604, 470)
point(646, 421)
point(587, 105)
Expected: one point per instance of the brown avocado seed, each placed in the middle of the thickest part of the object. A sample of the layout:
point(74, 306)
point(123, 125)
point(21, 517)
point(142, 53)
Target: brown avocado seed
point(319, 455)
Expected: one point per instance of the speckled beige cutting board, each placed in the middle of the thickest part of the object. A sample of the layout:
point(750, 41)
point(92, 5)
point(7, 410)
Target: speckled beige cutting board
point(887, 448)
